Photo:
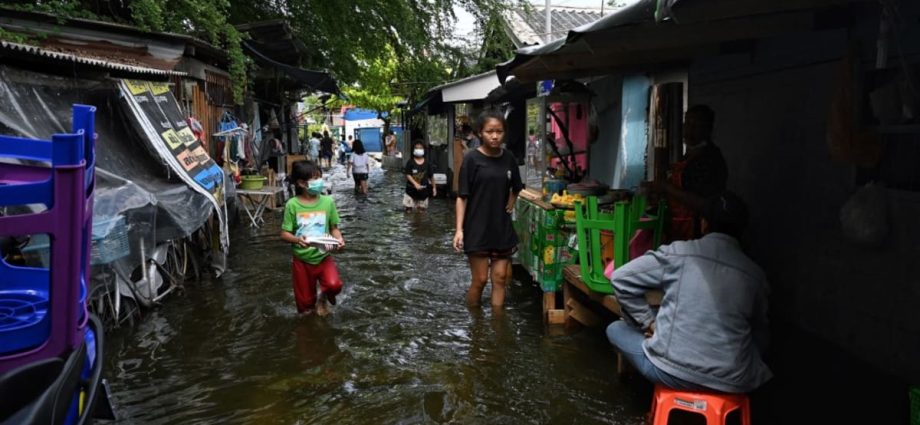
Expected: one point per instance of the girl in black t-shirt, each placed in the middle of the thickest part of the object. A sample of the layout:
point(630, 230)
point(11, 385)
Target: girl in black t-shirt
point(489, 184)
point(419, 180)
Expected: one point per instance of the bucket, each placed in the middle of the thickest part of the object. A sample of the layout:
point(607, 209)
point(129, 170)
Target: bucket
point(253, 182)
point(552, 186)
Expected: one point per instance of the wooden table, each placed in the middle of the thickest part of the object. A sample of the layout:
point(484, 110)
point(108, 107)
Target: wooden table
point(582, 314)
point(258, 201)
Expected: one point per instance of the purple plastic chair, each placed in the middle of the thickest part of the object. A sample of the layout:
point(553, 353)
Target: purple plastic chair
point(66, 188)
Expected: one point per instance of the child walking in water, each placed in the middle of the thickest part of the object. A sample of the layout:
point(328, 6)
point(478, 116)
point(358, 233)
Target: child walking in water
point(489, 184)
point(360, 166)
point(311, 214)
point(419, 180)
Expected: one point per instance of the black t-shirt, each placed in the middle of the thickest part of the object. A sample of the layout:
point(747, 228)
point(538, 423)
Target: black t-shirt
point(486, 183)
point(422, 174)
point(326, 145)
point(706, 174)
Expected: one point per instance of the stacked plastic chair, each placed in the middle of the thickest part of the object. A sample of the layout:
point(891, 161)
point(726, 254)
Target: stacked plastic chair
point(45, 361)
point(626, 219)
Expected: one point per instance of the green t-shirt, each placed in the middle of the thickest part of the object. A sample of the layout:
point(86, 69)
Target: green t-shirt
point(315, 219)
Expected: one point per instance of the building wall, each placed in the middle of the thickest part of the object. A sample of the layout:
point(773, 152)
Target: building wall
point(603, 151)
point(772, 107)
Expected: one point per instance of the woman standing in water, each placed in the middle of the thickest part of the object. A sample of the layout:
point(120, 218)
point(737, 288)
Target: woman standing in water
point(360, 166)
point(489, 184)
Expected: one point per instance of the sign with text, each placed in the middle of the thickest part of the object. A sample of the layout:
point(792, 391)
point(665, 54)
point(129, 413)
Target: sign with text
point(158, 116)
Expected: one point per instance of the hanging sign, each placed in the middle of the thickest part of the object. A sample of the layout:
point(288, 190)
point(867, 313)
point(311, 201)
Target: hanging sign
point(544, 87)
point(157, 115)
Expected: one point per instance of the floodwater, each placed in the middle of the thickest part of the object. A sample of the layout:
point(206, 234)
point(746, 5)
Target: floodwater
point(400, 348)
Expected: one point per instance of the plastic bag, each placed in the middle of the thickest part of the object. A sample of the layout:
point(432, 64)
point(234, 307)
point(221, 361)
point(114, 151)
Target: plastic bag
point(864, 217)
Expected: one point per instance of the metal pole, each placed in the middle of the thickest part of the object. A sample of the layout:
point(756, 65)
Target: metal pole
point(549, 22)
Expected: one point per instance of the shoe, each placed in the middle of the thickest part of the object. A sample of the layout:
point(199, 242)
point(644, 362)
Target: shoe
point(331, 299)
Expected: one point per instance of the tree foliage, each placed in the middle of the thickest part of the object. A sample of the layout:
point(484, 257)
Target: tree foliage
point(357, 40)
point(206, 19)
point(382, 49)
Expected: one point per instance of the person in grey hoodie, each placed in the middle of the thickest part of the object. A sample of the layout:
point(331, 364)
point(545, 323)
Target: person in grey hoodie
point(710, 331)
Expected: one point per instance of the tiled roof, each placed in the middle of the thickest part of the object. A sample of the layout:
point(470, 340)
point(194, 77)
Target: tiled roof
point(526, 27)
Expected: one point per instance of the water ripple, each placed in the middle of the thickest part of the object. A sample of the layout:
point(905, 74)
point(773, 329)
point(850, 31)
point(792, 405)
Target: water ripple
point(401, 346)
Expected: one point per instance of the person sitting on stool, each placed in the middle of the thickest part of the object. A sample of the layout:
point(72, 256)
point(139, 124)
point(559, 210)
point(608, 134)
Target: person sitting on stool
point(711, 330)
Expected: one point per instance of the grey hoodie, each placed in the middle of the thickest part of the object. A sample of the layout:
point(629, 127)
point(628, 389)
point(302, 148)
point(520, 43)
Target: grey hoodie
point(711, 327)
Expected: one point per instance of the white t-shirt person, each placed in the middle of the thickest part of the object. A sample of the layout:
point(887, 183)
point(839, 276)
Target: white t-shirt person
point(359, 163)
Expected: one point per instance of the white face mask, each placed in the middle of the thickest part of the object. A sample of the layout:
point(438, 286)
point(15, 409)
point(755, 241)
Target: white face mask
point(419, 152)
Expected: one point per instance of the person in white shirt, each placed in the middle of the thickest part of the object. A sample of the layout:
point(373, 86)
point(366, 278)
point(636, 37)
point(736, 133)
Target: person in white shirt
point(360, 166)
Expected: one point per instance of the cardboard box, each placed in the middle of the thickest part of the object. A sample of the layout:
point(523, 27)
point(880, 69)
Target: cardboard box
point(292, 159)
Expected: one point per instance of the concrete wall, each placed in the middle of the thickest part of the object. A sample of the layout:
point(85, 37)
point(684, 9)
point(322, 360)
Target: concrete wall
point(771, 109)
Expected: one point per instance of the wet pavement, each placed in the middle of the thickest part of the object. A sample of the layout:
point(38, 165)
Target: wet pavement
point(400, 347)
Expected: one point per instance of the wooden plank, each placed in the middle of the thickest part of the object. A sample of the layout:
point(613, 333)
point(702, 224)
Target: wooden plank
point(581, 313)
point(571, 323)
point(549, 301)
point(572, 276)
point(555, 317)
point(535, 198)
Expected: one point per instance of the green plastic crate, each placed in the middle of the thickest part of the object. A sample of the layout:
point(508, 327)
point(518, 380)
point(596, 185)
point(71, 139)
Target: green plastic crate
point(915, 405)
point(539, 232)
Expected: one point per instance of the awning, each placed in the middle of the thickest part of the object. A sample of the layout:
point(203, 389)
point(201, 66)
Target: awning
point(312, 80)
point(470, 89)
point(512, 90)
point(658, 32)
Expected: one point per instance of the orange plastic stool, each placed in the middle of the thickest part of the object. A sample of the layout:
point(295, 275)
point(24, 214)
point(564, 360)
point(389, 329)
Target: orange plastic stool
point(714, 406)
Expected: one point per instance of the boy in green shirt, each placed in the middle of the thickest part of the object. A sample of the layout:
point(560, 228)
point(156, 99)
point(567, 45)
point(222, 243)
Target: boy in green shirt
point(310, 217)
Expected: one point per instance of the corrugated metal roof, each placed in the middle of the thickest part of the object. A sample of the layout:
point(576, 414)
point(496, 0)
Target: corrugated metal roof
point(528, 25)
point(67, 57)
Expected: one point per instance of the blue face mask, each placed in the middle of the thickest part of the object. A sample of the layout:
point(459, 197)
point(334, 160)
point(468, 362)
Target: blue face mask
point(316, 187)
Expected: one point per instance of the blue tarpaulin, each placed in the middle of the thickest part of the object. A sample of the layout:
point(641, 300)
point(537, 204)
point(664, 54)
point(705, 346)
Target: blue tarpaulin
point(360, 114)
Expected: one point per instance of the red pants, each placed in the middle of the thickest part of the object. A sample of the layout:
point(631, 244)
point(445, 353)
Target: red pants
point(305, 278)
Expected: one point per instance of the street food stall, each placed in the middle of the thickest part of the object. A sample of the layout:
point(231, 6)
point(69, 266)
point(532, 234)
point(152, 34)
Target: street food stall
point(556, 155)
point(567, 220)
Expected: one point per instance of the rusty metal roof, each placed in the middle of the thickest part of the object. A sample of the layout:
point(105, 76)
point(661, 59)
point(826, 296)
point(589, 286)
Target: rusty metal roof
point(107, 63)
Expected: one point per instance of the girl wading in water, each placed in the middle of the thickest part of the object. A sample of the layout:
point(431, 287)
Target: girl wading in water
point(489, 184)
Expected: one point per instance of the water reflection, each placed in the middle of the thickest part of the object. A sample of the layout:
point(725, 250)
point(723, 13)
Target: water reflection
point(400, 347)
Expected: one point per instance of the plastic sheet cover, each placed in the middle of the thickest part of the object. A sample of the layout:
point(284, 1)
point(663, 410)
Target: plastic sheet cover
point(130, 180)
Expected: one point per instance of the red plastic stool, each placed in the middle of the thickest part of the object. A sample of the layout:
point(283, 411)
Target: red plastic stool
point(714, 406)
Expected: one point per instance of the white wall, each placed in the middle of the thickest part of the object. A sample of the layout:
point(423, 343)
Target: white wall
point(350, 126)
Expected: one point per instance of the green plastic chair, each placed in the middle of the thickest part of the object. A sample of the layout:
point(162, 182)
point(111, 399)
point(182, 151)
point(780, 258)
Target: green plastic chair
point(636, 211)
point(624, 222)
point(589, 224)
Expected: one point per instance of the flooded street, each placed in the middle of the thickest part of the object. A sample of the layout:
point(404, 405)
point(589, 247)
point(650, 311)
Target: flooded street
point(400, 347)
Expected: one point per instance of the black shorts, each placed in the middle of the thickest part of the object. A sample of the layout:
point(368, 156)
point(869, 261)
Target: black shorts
point(494, 255)
point(359, 177)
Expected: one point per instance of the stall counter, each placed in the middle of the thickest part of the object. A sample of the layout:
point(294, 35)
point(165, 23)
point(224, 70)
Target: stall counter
point(543, 249)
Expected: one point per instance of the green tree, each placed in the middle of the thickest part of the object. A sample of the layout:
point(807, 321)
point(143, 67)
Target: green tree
point(345, 37)
point(349, 36)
